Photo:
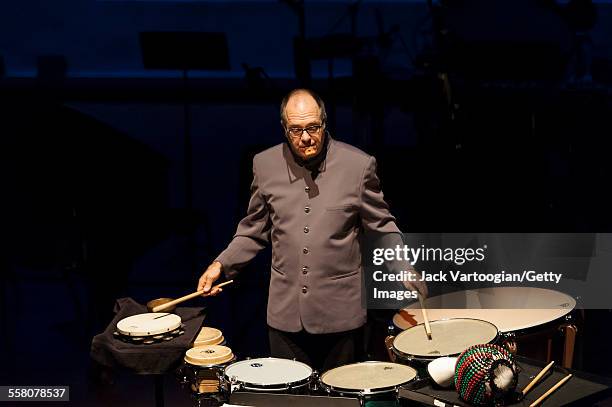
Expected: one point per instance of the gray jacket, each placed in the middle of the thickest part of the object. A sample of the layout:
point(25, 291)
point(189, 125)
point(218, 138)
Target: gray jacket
point(314, 226)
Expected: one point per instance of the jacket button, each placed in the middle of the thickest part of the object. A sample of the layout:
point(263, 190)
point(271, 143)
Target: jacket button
point(305, 250)
point(304, 289)
point(307, 209)
point(306, 230)
point(305, 270)
point(307, 189)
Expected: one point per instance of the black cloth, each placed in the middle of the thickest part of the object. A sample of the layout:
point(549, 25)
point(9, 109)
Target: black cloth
point(319, 351)
point(157, 358)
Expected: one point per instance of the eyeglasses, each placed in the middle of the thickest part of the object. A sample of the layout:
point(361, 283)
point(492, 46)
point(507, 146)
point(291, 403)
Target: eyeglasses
point(296, 132)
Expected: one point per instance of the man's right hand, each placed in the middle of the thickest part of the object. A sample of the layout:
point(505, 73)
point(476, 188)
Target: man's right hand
point(212, 274)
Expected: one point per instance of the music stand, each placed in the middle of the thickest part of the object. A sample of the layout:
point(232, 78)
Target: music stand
point(184, 51)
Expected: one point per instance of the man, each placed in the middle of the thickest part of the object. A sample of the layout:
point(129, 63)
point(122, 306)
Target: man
point(311, 197)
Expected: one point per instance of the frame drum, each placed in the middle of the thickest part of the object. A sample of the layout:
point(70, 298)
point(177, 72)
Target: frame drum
point(149, 324)
point(149, 328)
point(268, 375)
point(449, 337)
point(367, 380)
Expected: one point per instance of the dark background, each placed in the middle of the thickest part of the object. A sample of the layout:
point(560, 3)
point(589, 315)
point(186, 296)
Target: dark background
point(119, 179)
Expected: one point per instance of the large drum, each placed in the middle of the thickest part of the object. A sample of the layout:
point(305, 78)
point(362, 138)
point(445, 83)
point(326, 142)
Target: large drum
point(510, 309)
point(449, 337)
point(532, 315)
point(369, 381)
point(268, 375)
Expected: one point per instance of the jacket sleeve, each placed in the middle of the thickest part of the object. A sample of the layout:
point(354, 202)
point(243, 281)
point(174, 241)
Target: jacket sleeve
point(376, 218)
point(252, 233)
point(374, 211)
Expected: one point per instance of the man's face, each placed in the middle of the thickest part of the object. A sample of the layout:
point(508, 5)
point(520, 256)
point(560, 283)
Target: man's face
point(302, 112)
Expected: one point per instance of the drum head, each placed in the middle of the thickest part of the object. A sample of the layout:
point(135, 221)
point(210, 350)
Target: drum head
point(147, 324)
point(268, 371)
point(208, 355)
point(368, 376)
point(208, 336)
point(449, 337)
point(508, 308)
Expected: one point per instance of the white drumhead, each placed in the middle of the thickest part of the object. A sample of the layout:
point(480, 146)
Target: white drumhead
point(449, 337)
point(508, 308)
point(368, 376)
point(268, 371)
point(147, 324)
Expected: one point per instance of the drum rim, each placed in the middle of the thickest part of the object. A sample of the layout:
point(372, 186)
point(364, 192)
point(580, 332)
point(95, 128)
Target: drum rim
point(218, 365)
point(221, 343)
point(136, 339)
point(218, 335)
point(552, 324)
point(428, 358)
point(366, 392)
point(275, 386)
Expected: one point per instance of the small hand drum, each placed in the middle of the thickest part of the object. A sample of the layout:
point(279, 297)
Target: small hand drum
point(149, 328)
point(209, 336)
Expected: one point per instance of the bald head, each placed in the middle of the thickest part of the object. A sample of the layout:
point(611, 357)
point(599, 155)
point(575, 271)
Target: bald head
point(303, 119)
point(301, 99)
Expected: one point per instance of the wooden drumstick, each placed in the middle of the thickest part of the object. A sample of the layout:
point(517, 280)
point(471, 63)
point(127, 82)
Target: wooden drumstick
point(187, 297)
point(425, 319)
point(537, 378)
point(552, 389)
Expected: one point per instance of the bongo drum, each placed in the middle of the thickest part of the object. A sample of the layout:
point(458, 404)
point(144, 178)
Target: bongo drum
point(368, 381)
point(204, 366)
point(209, 336)
point(268, 375)
point(449, 337)
point(149, 328)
